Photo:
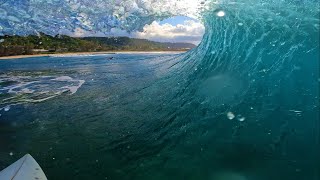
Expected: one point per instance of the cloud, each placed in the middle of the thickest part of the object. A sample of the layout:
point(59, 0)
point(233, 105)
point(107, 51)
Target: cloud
point(189, 31)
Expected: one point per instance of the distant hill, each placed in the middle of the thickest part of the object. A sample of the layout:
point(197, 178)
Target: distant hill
point(25, 45)
point(126, 43)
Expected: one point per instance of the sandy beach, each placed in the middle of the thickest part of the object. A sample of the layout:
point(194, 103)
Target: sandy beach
point(83, 53)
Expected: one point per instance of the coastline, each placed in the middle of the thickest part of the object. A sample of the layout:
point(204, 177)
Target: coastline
point(84, 53)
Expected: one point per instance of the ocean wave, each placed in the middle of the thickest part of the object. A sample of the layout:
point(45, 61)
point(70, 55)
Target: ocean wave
point(245, 100)
point(251, 52)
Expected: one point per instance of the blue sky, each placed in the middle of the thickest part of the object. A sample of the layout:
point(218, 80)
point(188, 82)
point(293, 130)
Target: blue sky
point(176, 20)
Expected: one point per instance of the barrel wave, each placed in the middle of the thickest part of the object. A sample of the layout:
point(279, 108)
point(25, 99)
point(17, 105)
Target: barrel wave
point(243, 105)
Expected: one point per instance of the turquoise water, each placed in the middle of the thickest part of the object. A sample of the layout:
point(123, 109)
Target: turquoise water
point(128, 121)
point(243, 105)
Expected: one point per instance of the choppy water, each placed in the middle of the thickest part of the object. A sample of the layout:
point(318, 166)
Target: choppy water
point(244, 105)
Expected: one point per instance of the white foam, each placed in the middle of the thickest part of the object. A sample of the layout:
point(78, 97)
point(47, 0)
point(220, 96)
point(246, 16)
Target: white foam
point(74, 89)
point(28, 89)
point(63, 78)
point(40, 100)
point(11, 89)
point(7, 108)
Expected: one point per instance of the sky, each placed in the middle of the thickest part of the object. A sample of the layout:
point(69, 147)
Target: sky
point(175, 29)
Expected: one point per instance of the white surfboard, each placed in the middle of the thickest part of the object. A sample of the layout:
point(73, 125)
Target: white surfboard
point(25, 168)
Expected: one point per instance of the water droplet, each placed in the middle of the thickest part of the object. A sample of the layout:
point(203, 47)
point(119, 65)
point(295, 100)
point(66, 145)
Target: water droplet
point(11, 153)
point(53, 158)
point(251, 108)
point(221, 13)
point(230, 115)
point(240, 118)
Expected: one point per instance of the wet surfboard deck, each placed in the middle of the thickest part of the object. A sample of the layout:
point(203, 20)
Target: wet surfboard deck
point(25, 168)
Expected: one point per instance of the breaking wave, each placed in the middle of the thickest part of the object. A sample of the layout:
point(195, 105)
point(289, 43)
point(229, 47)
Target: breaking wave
point(258, 63)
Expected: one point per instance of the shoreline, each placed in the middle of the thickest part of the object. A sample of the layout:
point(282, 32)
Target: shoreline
point(84, 53)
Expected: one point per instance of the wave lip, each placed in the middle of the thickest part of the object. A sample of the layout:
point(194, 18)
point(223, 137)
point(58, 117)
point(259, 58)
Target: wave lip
point(51, 17)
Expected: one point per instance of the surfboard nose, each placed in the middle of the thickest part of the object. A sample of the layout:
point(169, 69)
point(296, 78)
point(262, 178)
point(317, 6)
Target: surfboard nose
point(26, 168)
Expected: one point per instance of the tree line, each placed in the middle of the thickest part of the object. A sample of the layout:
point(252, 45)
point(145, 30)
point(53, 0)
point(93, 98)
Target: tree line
point(42, 43)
